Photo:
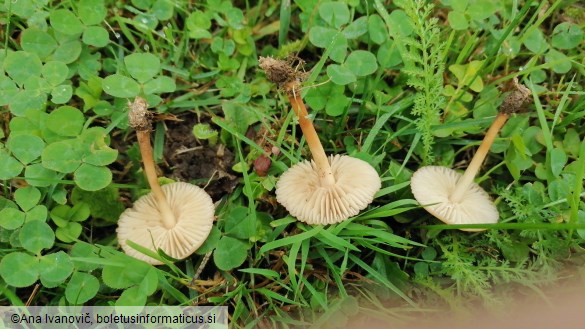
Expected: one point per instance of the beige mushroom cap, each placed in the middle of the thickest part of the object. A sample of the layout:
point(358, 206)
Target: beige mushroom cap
point(142, 224)
point(433, 185)
point(300, 190)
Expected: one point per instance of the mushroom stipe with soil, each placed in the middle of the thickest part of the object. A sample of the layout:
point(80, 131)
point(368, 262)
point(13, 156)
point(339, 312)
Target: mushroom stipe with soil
point(175, 218)
point(455, 198)
point(325, 190)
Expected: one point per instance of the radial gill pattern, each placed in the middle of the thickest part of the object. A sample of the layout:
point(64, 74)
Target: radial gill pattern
point(432, 187)
point(300, 190)
point(194, 214)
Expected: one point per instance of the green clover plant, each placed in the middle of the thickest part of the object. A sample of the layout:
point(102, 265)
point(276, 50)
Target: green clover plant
point(73, 149)
point(22, 269)
point(151, 12)
point(334, 35)
point(27, 199)
point(63, 146)
point(85, 22)
point(68, 220)
point(238, 230)
point(143, 69)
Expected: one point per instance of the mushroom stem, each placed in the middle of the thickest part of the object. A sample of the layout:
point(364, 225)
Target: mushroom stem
point(168, 217)
point(138, 119)
point(317, 151)
point(473, 168)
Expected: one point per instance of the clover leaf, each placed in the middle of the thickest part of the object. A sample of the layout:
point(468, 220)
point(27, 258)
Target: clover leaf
point(38, 42)
point(131, 296)
point(36, 235)
point(90, 14)
point(198, 24)
point(230, 253)
point(567, 36)
point(55, 72)
point(356, 28)
point(55, 268)
point(535, 42)
point(26, 148)
point(121, 86)
point(559, 62)
point(86, 155)
point(26, 9)
point(21, 65)
point(66, 121)
point(31, 82)
point(9, 166)
point(81, 288)
point(19, 269)
point(68, 51)
point(361, 63)
point(67, 220)
point(11, 218)
point(377, 29)
point(27, 197)
point(467, 75)
point(8, 89)
point(66, 22)
point(388, 55)
point(142, 68)
point(162, 84)
point(139, 279)
point(63, 156)
point(335, 14)
point(92, 178)
point(37, 175)
point(340, 74)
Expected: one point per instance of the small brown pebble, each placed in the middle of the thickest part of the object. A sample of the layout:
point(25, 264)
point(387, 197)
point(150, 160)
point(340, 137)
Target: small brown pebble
point(261, 165)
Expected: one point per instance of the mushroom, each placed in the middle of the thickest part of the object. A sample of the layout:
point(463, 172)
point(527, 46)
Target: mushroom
point(176, 218)
point(455, 198)
point(317, 199)
point(324, 190)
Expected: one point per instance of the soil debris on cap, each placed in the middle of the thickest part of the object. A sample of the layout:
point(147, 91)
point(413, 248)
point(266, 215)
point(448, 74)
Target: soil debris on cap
point(281, 71)
point(517, 99)
point(139, 117)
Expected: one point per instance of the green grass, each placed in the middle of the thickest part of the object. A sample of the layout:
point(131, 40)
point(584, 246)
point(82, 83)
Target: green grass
point(398, 87)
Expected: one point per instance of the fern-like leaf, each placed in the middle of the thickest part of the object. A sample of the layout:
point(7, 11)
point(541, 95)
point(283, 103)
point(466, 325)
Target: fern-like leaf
point(424, 64)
